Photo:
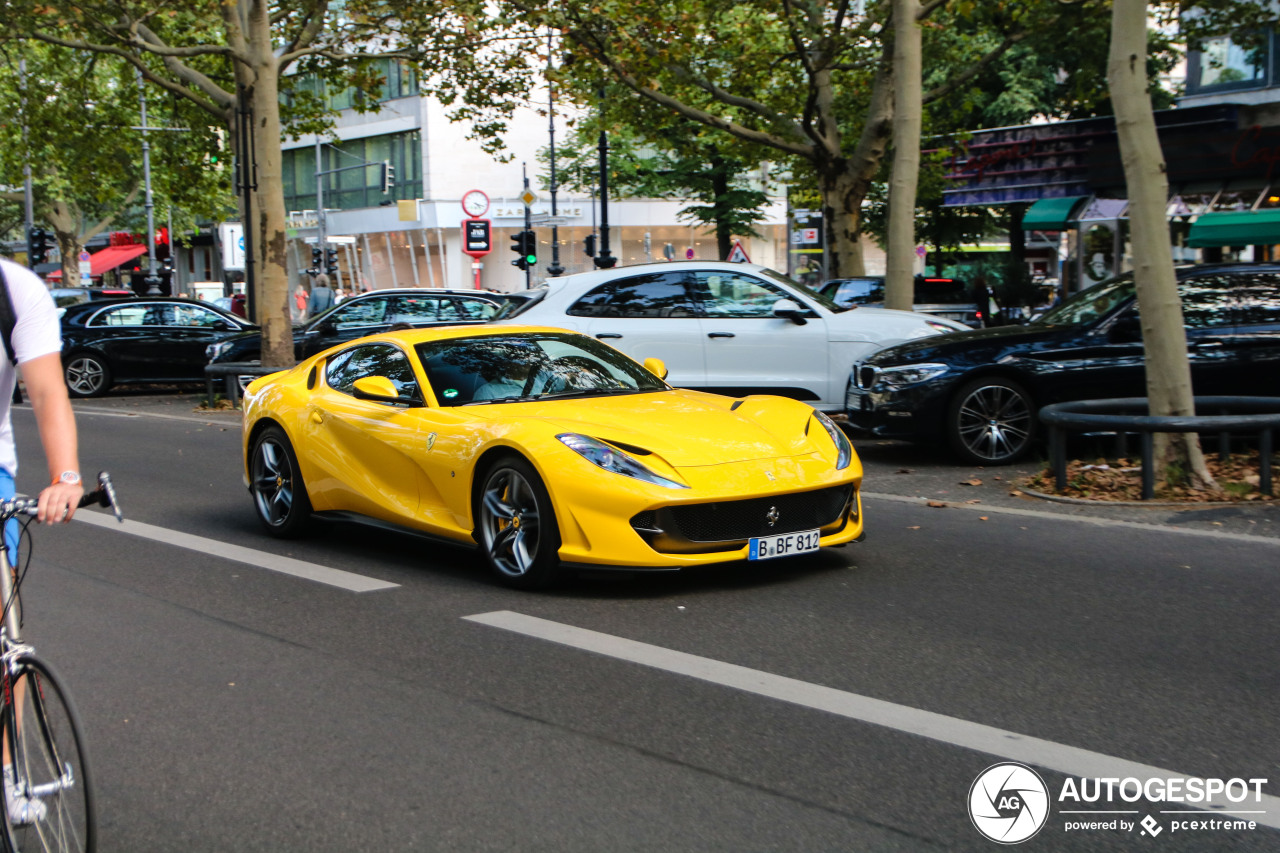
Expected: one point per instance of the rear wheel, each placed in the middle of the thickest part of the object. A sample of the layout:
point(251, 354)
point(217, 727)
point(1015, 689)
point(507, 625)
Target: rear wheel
point(87, 375)
point(991, 421)
point(51, 805)
point(516, 526)
point(275, 481)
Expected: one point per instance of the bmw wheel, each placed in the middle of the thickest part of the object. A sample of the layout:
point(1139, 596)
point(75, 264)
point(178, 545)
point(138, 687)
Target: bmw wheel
point(991, 421)
point(87, 375)
point(275, 481)
point(516, 526)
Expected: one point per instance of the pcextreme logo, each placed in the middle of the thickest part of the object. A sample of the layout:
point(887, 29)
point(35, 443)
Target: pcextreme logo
point(1009, 802)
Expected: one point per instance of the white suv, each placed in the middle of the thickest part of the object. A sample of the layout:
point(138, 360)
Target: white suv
point(729, 328)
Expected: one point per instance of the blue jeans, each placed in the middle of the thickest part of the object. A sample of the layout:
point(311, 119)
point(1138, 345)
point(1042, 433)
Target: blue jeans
point(11, 529)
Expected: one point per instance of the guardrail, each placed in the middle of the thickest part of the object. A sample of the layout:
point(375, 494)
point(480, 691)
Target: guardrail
point(1249, 415)
point(231, 371)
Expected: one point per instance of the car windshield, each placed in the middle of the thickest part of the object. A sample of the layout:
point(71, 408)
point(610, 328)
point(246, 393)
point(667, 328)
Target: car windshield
point(516, 304)
point(825, 301)
point(1092, 304)
point(519, 368)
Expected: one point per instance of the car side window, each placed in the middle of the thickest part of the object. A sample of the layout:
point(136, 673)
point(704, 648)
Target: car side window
point(1208, 302)
point(413, 309)
point(194, 315)
point(471, 309)
point(386, 360)
point(1258, 300)
point(130, 315)
point(366, 312)
point(643, 296)
point(736, 295)
point(860, 291)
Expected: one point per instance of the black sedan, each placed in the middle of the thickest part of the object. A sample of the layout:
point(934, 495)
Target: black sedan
point(367, 314)
point(980, 391)
point(110, 342)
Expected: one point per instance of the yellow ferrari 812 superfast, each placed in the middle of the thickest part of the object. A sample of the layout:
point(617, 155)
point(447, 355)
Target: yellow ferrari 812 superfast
point(549, 450)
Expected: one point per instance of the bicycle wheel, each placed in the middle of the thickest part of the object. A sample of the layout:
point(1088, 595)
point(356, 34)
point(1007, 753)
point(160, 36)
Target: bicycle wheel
point(49, 764)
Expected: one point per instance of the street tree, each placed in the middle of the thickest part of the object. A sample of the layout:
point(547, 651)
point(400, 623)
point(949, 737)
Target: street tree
point(811, 82)
point(907, 119)
point(233, 58)
point(73, 122)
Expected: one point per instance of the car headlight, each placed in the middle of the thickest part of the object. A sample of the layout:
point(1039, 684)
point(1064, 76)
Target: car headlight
point(212, 351)
point(612, 459)
point(909, 374)
point(844, 450)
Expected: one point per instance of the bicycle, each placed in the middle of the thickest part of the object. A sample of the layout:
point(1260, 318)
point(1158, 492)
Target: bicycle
point(40, 730)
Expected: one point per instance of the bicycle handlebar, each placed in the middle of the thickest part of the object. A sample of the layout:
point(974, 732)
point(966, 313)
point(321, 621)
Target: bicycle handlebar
point(104, 495)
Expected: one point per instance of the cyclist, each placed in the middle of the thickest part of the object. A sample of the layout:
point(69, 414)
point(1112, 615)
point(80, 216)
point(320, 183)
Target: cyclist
point(36, 348)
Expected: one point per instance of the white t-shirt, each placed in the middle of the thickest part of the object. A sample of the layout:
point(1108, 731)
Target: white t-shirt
point(37, 332)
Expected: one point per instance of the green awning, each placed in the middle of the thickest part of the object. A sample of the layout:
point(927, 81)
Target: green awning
point(1050, 214)
point(1236, 228)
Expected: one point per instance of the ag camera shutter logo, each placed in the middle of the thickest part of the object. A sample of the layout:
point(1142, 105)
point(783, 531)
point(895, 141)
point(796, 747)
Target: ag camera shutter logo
point(1008, 803)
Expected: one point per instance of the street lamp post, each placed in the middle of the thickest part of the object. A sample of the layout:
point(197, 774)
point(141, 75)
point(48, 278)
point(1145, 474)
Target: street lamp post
point(604, 260)
point(555, 268)
point(152, 280)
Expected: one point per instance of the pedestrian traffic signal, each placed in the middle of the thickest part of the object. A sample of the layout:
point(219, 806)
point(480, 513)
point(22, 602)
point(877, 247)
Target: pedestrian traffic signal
point(331, 261)
point(589, 245)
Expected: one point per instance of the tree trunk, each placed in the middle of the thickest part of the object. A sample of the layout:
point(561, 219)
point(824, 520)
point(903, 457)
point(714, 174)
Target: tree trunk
point(899, 283)
point(1163, 334)
point(720, 189)
point(268, 215)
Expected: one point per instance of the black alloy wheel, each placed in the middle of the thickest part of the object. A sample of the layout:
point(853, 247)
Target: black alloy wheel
point(516, 526)
point(275, 481)
point(87, 375)
point(991, 421)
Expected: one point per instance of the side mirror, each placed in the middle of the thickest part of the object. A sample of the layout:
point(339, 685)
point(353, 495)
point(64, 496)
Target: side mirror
point(657, 367)
point(379, 389)
point(1125, 329)
point(789, 309)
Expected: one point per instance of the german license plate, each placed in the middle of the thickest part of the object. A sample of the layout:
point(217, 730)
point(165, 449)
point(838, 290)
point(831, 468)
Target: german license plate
point(768, 547)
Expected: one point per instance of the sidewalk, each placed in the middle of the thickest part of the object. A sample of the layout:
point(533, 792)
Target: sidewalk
point(892, 468)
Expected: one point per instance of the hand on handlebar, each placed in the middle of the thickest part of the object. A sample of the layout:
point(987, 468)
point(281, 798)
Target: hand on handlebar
point(59, 502)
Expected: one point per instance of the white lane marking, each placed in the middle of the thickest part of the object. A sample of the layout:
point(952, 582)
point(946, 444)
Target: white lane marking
point(1070, 760)
point(261, 559)
point(1084, 519)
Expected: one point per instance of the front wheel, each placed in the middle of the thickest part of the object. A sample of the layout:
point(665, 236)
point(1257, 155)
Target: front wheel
point(87, 375)
point(991, 421)
point(516, 526)
point(275, 481)
point(48, 787)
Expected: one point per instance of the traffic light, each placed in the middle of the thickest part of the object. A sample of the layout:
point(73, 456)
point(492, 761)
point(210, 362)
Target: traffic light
point(331, 261)
point(518, 244)
point(317, 256)
point(388, 177)
point(41, 243)
point(530, 247)
point(589, 245)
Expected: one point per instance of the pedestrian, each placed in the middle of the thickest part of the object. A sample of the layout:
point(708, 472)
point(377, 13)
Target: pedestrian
point(35, 347)
point(321, 296)
point(300, 299)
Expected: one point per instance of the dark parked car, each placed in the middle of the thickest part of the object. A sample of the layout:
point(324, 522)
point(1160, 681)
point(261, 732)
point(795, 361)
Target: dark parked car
point(110, 342)
point(941, 297)
point(980, 391)
point(367, 314)
point(64, 296)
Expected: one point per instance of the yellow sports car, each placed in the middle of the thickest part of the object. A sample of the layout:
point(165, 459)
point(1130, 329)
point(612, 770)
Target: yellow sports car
point(548, 449)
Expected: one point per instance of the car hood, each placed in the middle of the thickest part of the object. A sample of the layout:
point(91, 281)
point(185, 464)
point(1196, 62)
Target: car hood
point(686, 428)
point(880, 325)
point(974, 341)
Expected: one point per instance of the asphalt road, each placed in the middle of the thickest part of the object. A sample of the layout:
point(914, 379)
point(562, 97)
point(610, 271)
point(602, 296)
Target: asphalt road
point(844, 702)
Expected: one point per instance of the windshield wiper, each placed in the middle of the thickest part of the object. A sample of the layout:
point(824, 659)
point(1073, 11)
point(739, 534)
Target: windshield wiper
point(511, 399)
point(592, 392)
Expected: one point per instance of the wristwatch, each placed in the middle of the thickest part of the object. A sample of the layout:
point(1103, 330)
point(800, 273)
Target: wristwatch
point(71, 478)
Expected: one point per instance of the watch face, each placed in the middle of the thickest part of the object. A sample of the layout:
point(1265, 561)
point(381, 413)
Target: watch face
point(475, 203)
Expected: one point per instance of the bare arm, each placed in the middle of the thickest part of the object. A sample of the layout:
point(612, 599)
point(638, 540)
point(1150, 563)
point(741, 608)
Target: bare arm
point(57, 424)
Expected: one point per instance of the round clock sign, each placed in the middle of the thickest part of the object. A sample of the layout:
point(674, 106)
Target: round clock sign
point(475, 203)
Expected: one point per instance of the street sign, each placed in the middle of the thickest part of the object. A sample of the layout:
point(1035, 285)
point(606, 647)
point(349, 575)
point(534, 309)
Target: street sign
point(921, 251)
point(231, 236)
point(529, 198)
point(688, 253)
point(738, 255)
point(477, 237)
